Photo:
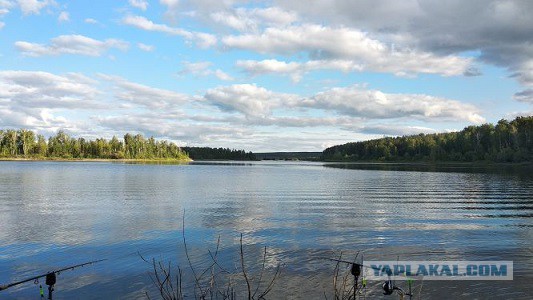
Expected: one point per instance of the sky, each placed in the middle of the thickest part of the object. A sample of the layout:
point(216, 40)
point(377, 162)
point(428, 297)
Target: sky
point(292, 75)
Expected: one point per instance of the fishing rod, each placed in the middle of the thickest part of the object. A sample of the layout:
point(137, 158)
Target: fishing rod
point(50, 278)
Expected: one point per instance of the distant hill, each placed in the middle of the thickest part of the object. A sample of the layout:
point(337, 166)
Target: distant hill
point(507, 141)
point(288, 155)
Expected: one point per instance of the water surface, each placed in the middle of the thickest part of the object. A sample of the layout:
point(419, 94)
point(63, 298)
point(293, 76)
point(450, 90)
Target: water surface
point(55, 214)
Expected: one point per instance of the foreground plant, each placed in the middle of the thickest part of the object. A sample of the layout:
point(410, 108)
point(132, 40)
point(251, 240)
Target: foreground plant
point(214, 281)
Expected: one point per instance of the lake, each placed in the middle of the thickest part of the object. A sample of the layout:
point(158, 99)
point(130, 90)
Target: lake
point(56, 214)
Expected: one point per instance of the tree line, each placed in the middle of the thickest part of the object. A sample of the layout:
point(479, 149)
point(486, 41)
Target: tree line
point(26, 144)
point(199, 153)
point(507, 141)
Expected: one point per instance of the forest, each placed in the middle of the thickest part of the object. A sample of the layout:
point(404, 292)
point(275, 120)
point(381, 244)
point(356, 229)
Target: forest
point(203, 153)
point(26, 144)
point(507, 141)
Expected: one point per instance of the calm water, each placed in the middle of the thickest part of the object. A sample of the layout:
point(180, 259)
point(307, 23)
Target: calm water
point(55, 214)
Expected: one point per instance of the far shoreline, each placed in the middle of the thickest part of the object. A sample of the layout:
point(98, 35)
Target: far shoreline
point(126, 160)
point(431, 163)
point(329, 162)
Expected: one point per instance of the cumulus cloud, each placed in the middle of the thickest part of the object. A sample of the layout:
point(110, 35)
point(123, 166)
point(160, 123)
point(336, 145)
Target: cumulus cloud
point(294, 69)
point(46, 90)
point(500, 30)
point(172, 11)
point(140, 4)
point(347, 44)
point(31, 99)
point(257, 102)
point(202, 40)
point(203, 69)
point(252, 19)
point(400, 37)
point(144, 95)
point(70, 44)
point(248, 99)
point(344, 122)
point(44, 101)
point(145, 47)
point(373, 104)
point(5, 6)
point(34, 7)
point(63, 17)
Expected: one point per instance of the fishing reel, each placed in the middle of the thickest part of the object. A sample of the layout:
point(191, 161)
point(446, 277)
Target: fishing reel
point(389, 288)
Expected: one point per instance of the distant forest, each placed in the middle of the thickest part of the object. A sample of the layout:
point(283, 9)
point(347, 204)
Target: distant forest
point(309, 156)
point(202, 153)
point(507, 141)
point(26, 144)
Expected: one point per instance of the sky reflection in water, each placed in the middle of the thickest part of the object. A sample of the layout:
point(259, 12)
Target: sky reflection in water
point(55, 214)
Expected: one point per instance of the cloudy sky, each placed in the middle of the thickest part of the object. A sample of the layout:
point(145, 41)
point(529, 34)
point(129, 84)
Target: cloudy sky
point(292, 75)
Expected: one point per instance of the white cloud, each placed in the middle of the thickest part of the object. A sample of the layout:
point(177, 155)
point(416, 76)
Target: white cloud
point(172, 8)
point(140, 4)
point(33, 99)
point(203, 40)
point(63, 17)
point(222, 75)
point(373, 104)
point(145, 47)
point(203, 69)
point(145, 95)
point(90, 21)
point(34, 7)
point(70, 44)
point(5, 6)
point(145, 24)
point(257, 102)
point(45, 101)
point(500, 31)
point(46, 90)
point(294, 69)
point(300, 121)
point(248, 99)
point(252, 19)
point(349, 45)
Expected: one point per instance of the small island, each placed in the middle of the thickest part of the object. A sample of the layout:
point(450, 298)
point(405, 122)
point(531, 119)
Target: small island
point(26, 145)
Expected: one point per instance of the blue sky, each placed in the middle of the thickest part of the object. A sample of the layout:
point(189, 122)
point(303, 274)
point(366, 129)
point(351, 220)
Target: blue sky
point(263, 75)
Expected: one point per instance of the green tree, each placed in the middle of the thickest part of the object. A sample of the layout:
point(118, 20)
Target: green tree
point(25, 142)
